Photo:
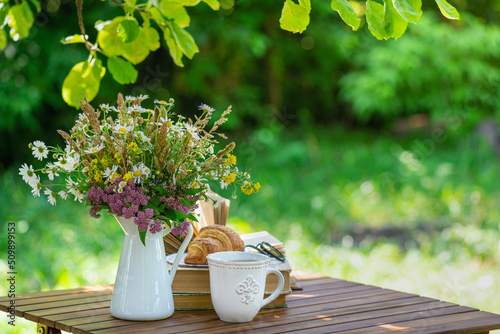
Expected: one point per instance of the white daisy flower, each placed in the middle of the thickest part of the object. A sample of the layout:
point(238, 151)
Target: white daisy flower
point(36, 187)
point(73, 162)
point(94, 149)
point(109, 173)
point(62, 162)
point(163, 120)
point(40, 151)
point(137, 109)
point(122, 184)
point(120, 190)
point(129, 98)
point(51, 171)
point(223, 185)
point(28, 173)
point(70, 184)
point(79, 195)
point(119, 128)
point(69, 161)
point(51, 196)
point(146, 171)
point(138, 172)
point(63, 194)
point(104, 106)
point(205, 108)
point(192, 130)
point(165, 103)
point(143, 97)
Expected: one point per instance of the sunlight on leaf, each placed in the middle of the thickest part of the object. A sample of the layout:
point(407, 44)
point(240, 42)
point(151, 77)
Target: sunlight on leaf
point(20, 20)
point(448, 10)
point(294, 18)
point(374, 18)
point(393, 24)
point(214, 4)
point(410, 10)
point(347, 13)
point(84, 77)
point(73, 39)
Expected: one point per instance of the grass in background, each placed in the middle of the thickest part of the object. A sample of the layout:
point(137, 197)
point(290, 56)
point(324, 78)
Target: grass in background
point(412, 215)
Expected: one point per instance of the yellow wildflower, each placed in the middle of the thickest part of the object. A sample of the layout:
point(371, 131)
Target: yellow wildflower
point(127, 177)
point(256, 187)
point(230, 160)
point(94, 163)
point(229, 178)
point(118, 158)
point(98, 176)
point(246, 188)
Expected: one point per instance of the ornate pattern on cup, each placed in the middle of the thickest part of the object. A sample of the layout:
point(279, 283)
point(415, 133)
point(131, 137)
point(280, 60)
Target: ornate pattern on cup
point(248, 289)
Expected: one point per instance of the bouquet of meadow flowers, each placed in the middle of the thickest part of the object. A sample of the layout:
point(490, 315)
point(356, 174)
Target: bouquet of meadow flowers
point(146, 164)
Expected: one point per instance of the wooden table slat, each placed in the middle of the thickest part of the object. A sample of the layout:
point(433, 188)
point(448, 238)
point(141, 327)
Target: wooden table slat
point(363, 325)
point(444, 322)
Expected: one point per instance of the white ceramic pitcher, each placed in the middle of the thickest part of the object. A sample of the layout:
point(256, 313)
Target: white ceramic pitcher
point(143, 284)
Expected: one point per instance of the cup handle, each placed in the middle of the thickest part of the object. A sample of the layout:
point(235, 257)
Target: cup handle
point(281, 283)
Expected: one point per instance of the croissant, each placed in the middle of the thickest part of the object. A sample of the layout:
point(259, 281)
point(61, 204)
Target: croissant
point(213, 239)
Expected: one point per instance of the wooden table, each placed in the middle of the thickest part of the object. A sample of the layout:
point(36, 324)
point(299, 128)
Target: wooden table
point(325, 305)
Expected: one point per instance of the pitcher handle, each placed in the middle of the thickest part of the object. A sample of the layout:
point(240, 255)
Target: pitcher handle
point(180, 252)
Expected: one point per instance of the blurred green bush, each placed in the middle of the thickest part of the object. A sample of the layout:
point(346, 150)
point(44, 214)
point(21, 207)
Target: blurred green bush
point(443, 70)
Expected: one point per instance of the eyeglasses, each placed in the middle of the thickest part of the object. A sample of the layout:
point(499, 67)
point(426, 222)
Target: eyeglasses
point(266, 249)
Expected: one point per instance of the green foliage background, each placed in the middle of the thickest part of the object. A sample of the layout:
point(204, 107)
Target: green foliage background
point(315, 118)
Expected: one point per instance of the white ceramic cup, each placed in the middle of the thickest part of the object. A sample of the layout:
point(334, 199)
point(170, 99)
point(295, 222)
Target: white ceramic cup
point(237, 284)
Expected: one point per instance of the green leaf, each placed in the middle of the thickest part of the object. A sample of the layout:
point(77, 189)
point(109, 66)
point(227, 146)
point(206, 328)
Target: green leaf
point(142, 235)
point(306, 4)
point(136, 51)
point(174, 50)
point(4, 11)
point(184, 40)
point(410, 10)
point(20, 21)
point(393, 24)
point(188, 3)
point(128, 30)
point(226, 4)
point(112, 45)
point(347, 13)
point(129, 6)
point(107, 37)
point(84, 77)
point(294, 18)
point(194, 191)
point(151, 38)
point(214, 4)
point(3, 39)
point(122, 71)
point(73, 39)
point(448, 10)
point(374, 18)
point(175, 11)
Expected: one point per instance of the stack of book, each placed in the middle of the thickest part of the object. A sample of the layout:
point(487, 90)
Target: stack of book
point(191, 285)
